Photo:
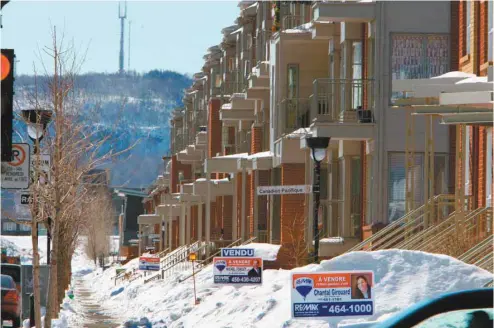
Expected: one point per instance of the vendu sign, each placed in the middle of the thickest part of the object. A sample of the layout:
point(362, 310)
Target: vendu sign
point(237, 252)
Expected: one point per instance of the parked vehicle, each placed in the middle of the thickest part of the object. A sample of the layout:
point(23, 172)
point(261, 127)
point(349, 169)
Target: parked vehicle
point(11, 300)
point(13, 270)
point(469, 308)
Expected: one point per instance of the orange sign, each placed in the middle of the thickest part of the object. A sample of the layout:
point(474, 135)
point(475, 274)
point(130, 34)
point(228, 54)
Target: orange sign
point(19, 155)
point(6, 66)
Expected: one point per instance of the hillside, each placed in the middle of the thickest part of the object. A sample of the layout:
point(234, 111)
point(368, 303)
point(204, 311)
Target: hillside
point(134, 107)
point(130, 108)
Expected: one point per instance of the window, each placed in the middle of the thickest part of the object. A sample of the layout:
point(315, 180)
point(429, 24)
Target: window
point(9, 226)
point(489, 168)
point(490, 30)
point(292, 91)
point(468, 25)
point(357, 86)
point(25, 227)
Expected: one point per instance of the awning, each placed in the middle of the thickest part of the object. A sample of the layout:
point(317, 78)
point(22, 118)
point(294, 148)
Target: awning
point(473, 118)
point(258, 161)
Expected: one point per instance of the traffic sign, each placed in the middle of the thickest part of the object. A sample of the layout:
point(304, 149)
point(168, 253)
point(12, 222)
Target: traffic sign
point(26, 199)
point(15, 174)
point(43, 163)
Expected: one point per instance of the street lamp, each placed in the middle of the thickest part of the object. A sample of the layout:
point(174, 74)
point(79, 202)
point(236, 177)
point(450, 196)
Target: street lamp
point(318, 148)
point(37, 120)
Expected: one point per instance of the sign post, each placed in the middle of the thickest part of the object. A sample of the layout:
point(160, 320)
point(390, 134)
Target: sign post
point(15, 174)
point(192, 258)
point(332, 294)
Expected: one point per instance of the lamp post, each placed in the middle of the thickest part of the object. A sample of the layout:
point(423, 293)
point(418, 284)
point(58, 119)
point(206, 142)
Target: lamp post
point(36, 121)
point(317, 147)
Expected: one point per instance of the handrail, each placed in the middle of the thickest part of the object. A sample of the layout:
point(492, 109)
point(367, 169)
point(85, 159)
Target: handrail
point(427, 245)
point(472, 252)
point(207, 261)
point(393, 225)
point(163, 253)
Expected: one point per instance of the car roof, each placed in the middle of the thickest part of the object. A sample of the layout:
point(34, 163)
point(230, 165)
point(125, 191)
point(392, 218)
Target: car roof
point(3, 276)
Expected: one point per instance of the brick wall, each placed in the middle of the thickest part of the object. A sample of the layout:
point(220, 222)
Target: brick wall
point(263, 218)
point(292, 208)
point(363, 186)
point(239, 204)
point(483, 44)
point(454, 35)
point(214, 128)
point(256, 147)
point(193, 216)
point(227, 216)
point(218, 221)
point(176, 167)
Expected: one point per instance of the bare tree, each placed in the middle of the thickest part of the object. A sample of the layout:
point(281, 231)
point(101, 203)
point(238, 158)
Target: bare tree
point(295, 249)
point(76, 148)
point(98, 225)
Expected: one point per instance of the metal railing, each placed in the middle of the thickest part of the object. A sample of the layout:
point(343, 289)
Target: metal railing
point(294, 114)
point(454, 235)
point(406, 227)
point(291, 21)
point(231, 87)
point(481, 254)
point(333, 98)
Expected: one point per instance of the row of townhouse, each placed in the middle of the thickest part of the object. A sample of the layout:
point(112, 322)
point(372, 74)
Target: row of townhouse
point(290, 73)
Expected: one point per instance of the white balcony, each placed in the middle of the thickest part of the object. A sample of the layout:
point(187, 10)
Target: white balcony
point(349, 11)
point(325, 30)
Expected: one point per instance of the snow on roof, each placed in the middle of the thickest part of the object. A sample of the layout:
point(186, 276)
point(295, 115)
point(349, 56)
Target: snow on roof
point(304, 28)
point(332, 240)
point(298, 133)
point(226, 106)
point(263, 154)
point(402, 278)
point(474, 79)
point(453, 74)
point(241, 155)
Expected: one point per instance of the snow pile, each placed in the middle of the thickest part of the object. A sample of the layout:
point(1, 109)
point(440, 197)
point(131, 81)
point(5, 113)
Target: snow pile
point(267, 252)
point(304, 28)
point(22, 246)
point(402, 278)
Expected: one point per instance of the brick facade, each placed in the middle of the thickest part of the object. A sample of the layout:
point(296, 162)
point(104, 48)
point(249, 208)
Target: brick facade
point(214, 128)
point(227, 214)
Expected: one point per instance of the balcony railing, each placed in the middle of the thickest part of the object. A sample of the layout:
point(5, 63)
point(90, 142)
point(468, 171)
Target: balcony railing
point(231, 87)
point(343, 100)
point(292, 21)
point(293, 114)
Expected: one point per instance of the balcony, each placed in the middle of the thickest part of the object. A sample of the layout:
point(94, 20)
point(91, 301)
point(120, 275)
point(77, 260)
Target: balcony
point(292, 114)
point(344, 108)
point(350, 11)
point(292, 21)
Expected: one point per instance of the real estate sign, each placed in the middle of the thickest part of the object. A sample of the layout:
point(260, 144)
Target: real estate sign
point(149, 263)
point(237, 270)
point(332, 294)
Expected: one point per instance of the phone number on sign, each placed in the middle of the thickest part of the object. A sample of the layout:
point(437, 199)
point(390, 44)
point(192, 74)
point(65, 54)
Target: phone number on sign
point(237, 280)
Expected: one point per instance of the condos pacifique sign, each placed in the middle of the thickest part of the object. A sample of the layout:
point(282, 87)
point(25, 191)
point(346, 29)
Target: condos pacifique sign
point(283, 190)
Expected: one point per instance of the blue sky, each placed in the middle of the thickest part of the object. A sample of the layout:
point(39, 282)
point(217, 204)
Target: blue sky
point(164, 34)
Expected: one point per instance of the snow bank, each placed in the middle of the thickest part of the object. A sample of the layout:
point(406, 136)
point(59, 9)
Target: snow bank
point(267, 252)
point(402, 278)
point(22, 246)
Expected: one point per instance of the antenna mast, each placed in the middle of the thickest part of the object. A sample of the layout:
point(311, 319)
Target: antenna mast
point(122, 15)
point(128, 52)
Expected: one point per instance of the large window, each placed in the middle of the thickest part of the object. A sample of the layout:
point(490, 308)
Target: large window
point(419, 56)
point(397, 181)
point(468, 25)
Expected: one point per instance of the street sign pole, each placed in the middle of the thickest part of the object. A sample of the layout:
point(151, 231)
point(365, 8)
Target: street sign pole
point(192, 258)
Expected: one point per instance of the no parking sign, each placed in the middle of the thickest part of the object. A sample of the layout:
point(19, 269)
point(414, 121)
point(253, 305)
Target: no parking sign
point(15, 174)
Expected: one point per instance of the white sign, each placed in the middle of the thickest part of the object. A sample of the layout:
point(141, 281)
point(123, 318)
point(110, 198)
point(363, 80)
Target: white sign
point(332, 294)
point(44, 167)
point(283, 190)
point(15, 174)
